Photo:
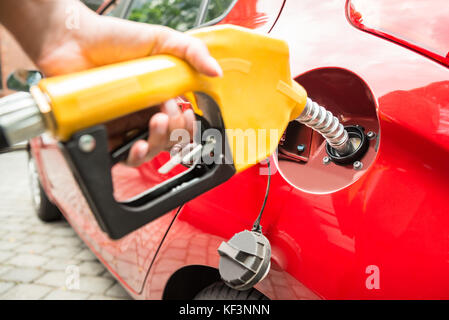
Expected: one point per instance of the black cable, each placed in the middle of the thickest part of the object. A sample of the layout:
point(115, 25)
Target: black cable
point(256, 226)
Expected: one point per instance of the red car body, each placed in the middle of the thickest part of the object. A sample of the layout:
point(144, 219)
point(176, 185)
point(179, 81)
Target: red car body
point(331, 231)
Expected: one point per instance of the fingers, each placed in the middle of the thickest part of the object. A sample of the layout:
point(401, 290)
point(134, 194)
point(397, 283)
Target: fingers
point(189, 117)
point(137, 153)
point(160, 126)
point(198, 56)
point(176, 118)
point(188, 48)
point(120, 40)
point(143, 151)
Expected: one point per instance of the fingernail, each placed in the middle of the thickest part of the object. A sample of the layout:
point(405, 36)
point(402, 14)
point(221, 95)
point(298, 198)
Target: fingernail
point(172, 108)
point(143, 150)
point(162, 123)
point(214, 64)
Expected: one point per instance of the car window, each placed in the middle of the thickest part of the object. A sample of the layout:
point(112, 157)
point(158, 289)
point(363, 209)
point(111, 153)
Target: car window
point(181, 15)
point(116, 9)
point(177, 14)
point(217, 9)
point(93, 4)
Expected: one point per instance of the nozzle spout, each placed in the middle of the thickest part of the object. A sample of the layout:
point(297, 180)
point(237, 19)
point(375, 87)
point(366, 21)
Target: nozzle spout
point(20, 119)
point(324, 122)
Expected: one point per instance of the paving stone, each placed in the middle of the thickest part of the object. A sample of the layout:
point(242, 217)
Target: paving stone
point(28, 260)
point(53, 278)
point(92, 268)
point(42, 229)
point(65, 232)
point(66, 295)
point(4, 268)
point(65, 241)
point(62, 252)
point(26, 292)
point(34, 256)
point(32, 248)
point(117, 291)
point(97, 285)
point(15, 236)
point(21, 274)
point(8, 245)
point(4, 286)
point(56, 264)
point(36, 238)
point(13, 227)
point(5, 255)
point(86, 254)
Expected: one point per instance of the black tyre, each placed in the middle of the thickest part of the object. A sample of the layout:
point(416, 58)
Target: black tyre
point(45, 210)
point(220, 291)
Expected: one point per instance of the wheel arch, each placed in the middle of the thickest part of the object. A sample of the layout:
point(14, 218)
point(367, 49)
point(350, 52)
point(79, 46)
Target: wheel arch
point(186, 282)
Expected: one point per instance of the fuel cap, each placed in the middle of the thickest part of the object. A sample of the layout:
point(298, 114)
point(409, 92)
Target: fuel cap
point(244, 259)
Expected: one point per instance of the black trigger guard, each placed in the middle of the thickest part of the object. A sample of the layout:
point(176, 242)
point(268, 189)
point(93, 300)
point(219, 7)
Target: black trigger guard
point(92, 170)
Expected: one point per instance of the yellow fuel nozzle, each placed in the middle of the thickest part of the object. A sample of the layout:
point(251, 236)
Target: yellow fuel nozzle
point(256, 92)
point(250, 107)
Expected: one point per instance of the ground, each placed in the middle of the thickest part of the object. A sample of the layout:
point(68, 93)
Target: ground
point(38, 260)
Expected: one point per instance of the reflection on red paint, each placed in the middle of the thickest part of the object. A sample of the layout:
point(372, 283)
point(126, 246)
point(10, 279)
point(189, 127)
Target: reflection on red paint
point(245, 14)
point(130, 182)
point(254, 14)
point(403, 23)
point(355, 16)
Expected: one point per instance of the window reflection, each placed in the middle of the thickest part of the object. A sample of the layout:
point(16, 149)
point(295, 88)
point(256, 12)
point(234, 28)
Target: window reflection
point(177, 14)
point(216, 8)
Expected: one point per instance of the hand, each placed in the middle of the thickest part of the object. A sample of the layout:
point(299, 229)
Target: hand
point(99, 41)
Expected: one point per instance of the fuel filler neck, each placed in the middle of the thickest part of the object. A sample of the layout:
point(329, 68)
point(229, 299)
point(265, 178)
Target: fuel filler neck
point(344, 144)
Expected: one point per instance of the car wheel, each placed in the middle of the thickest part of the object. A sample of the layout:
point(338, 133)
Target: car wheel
point(45, 210)
point(220, 291)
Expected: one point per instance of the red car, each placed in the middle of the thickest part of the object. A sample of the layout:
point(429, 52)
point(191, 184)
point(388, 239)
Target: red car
point(377, 228)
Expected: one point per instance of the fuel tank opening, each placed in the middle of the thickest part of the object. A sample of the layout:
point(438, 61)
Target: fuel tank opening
point(357, 146)
point(340, 100)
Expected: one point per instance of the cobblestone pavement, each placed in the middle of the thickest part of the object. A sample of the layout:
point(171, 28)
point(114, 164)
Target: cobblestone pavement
point(38, 260)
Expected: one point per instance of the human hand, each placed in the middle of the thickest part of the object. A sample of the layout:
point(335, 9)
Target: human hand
point(100, 41)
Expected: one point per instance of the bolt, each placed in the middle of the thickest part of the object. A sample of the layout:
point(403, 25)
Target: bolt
point(86, 143)
point(326, 160)
point(301, 147)
point(357, 165)
point(371, 135)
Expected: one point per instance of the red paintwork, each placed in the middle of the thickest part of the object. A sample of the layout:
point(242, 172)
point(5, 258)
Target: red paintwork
point(403, 23)
point(394, 216)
